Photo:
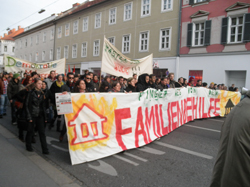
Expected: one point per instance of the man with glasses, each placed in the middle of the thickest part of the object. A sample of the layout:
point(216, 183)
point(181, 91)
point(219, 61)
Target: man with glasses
point(70, 82)
point(89, 84)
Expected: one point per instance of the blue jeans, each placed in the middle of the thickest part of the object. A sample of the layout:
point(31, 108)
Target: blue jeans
point(3, 104)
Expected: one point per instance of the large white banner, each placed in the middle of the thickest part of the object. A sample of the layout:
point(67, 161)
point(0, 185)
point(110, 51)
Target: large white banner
point(103, 124)
point(115, 63)
point(14, 65)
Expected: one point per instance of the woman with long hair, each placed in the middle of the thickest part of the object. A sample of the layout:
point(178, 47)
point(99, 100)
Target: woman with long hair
point(36, 116)
point(105, 87)
point(80, 86)
point(116, 87)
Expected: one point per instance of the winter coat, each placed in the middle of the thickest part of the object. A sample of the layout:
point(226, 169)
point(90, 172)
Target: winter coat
point(89, 87)
point(49, 82)
point(130, 88)
point(162, 87)
point(1, 85)
point(13, 88)
point(172, 84)
point(35, 105)
point(96, 86)
point(153, 85)
point(232, 166)
point(56, 89)
point(141, 85)
point(178, 85)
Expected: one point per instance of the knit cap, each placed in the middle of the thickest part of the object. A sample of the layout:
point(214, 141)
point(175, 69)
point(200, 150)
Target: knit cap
point(16, 75)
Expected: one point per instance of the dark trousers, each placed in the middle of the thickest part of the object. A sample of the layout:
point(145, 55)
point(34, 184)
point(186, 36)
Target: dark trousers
point(39, 123)
point(64, 129)
point(58, 117)
point(13, 111)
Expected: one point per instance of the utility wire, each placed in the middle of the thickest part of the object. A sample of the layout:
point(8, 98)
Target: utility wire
point(29, 15)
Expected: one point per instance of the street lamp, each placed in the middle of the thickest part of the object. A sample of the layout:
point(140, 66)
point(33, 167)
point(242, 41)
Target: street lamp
point(41, 11)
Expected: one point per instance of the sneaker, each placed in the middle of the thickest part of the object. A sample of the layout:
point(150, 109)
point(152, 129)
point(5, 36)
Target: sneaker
point(30, 149)
point(46, 152)
point(14, 123)
point(5, 114)
point(1, 116)
point(60, 138)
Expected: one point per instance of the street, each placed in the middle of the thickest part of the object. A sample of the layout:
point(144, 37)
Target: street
point(183, 158)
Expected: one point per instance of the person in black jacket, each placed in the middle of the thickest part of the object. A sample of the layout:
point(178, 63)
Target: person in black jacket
point(89, 84)
point(57, 87)
point(36, 116)
point(131, 85)
point(12, 89)
point(105, 87)
point(142, 83)
point(152, 79)
point(164, 84)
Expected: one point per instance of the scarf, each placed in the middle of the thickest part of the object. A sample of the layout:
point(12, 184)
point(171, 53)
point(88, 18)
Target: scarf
point(59, 84)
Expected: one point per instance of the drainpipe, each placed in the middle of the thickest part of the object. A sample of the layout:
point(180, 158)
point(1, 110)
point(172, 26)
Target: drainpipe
point(178, 44)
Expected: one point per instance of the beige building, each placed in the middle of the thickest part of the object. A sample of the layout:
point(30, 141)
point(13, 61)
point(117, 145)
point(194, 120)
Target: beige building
point(136, 27)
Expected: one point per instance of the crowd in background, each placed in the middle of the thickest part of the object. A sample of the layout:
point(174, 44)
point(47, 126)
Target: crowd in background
point(32, 99)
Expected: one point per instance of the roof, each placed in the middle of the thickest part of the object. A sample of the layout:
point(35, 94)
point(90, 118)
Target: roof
point(80, 7)
point(12, 33)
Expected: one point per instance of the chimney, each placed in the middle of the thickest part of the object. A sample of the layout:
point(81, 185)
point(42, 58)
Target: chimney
point(19, 27)
point(5, 34)
point(1, 37)
point(76, 4)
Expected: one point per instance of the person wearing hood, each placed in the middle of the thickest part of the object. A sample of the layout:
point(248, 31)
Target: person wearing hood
point(57, 87)
point(89, 84)
point(191, 82)
point(131, 85)
point(143, 82)
point(232, 166)
point(12, 89)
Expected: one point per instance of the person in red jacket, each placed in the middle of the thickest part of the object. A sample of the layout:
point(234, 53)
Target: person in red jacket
point(3, 94)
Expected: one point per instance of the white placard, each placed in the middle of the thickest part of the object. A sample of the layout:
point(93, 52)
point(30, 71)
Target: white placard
point(64, 103)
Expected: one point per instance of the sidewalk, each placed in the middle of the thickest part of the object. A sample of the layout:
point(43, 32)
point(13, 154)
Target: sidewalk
point(21, 168)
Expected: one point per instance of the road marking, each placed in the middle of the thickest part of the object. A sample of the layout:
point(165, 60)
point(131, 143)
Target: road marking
point(50, 139)
point(104, 168)
point(126, 160)
point(184, 150)
point(151, 150)
point(216, 120)
point(134, 156)
point(201, 128)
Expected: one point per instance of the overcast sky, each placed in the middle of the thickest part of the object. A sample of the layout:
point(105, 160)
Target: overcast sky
point(13, 12)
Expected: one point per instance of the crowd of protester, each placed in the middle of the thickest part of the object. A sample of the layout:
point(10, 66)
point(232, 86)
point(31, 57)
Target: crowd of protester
point(32, 99)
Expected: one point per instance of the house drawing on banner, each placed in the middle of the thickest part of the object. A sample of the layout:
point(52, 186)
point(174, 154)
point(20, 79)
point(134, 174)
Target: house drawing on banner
point(89, 127)
point(229, 106)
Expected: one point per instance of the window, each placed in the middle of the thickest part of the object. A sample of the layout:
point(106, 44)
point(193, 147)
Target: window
point(166, 5)
point(145, 7)
point(96, 48)
point(44, 37)
point(85, 24)
point(59, 32)
point(126, 44)
point(36, 56)
point(31, 41)
point(127, 12)
point(43, 56)
point(198, 1)
point(13, 49)
point(66, 51)
point(84, 49)
point(165, 39)
point(98, 20)
point(144, 41)
point(75, 27)
point(26, 42)
point(51, 54)
point(52, 34)
point(74, 51)
point(58, 53)
point(112, 16)
point(5, 48)
point(37, 39)
point(235, 30)
point(198, 34)
point(67, 29)
point(112, 40)
point(30, 57)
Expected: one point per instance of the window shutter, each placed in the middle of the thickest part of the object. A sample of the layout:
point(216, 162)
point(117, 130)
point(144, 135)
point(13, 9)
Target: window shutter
point(246, 37)
point(208, 24)
point(189, 34)
point(224, 30)
point(191, 2)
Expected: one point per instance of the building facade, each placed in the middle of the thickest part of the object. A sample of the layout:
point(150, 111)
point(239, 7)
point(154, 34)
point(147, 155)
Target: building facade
point(136, 27)
point(7, 44)
point(36, 43)
point(215, 41)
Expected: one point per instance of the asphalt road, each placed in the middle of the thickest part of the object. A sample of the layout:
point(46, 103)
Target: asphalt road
point(183, 158)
